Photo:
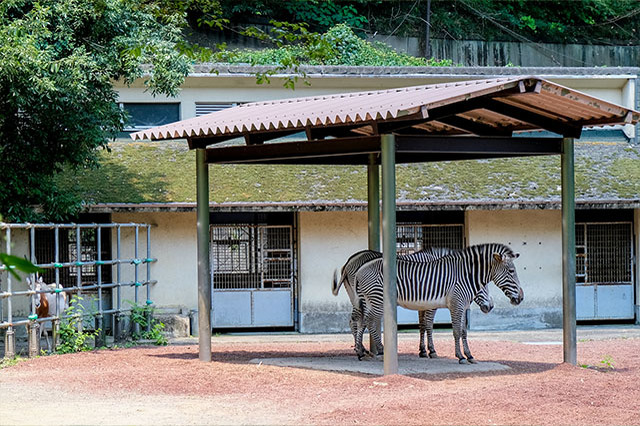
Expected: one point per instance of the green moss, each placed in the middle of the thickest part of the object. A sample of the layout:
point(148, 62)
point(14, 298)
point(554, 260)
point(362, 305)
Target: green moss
point(136, 172)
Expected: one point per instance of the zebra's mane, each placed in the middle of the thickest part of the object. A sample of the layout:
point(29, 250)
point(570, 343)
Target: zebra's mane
point(487, 248)
point(490, 248)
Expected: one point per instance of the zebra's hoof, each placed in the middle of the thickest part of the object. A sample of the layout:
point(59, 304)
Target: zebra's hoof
point(433, 355)
point(462, 361)
point(472, 360)
point(423, 354)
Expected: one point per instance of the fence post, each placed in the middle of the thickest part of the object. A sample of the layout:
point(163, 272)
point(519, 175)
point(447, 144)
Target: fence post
point(100, 337)
point(34, 338)
point(10, 343)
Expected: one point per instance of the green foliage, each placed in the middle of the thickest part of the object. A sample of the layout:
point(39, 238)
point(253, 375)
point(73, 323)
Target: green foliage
point(10, 362)
point(57, 104)
point(71, 339)
point(15, 262)
point(608, 363)
point(325, 14)
point(296, 45)
point(550, 21)
point(143, 317)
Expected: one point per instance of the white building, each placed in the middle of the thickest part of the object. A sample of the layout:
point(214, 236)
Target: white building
point(277, 240)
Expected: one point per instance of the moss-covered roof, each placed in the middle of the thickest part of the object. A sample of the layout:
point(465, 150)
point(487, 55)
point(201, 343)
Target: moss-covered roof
point(164, 172)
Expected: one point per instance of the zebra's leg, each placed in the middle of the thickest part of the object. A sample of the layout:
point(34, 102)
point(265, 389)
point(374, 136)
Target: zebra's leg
point(465, 344)
point(372, 321)
point(422, 352)
point(426, 325)
point(359, 348)
point(355, 323)
point(456, 324)
point(429, 317)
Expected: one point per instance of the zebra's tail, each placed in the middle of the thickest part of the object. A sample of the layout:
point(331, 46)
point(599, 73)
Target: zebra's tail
point(336, 284)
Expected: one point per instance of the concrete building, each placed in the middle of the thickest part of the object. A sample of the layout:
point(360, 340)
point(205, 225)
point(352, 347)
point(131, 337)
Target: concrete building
point(277, 240)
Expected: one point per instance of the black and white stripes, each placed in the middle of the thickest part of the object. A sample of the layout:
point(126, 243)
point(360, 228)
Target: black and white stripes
point(451, 281)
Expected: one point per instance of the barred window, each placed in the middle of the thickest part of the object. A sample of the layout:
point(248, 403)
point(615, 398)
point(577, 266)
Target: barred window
point(604, 253)
point(412, 237)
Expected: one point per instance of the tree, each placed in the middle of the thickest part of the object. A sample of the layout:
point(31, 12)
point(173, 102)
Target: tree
point(57, 104)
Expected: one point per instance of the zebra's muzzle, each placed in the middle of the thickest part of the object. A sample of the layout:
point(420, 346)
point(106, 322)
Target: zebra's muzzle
point(517, 299)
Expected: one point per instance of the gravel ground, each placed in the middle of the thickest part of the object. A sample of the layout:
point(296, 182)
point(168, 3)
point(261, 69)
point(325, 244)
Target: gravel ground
point(168, 385)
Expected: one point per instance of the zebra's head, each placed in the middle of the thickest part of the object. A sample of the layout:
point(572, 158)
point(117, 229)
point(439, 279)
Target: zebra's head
point(503, 274)
point(484, 301)
point(36, 285)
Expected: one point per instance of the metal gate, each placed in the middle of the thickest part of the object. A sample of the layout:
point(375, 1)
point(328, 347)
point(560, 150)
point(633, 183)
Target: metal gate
point(604, 271)
point(252, 275)
point(415, 237)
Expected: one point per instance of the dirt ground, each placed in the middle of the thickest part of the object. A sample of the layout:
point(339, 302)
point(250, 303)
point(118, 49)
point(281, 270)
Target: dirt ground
point(168, 385)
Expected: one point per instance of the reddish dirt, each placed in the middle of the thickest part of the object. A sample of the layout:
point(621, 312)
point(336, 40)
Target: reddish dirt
point(538, 389)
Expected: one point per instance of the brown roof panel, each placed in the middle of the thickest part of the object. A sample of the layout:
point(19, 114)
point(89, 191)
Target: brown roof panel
point(530, 94)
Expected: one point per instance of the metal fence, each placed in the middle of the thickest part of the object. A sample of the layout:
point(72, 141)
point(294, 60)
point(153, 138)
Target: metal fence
point(79, 259)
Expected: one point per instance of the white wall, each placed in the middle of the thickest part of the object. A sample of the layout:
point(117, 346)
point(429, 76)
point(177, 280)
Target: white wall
point(173, 243)
point(537, 236)
point(326, 240)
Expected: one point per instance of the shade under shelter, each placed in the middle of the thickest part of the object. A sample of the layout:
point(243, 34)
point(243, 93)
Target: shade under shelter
point(475, 119)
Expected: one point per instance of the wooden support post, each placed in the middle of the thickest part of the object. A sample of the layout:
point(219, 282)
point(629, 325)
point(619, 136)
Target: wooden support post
point(568, 253)
point(390, 291)
point(373, 210)
point(204, 286)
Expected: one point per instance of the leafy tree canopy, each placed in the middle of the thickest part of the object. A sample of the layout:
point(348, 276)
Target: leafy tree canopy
point(550, 21)
point(57, 104)
point(295, 45)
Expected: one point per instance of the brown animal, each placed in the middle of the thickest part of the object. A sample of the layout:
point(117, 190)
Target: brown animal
point(48, 305)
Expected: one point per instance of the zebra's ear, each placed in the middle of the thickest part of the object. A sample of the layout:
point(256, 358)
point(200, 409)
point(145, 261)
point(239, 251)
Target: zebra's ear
point(497, 256)
point(516, 255)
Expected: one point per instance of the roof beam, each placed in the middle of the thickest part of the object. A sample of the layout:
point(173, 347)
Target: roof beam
point(314, 133)
point(565, 129)
point(259, 138)
point(474, 127)
point(409, 149)
point(465, 146)
point(295, 152)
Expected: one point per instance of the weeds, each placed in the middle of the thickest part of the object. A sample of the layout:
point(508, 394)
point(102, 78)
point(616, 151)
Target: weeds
point(142, 316)
point(10, 362)
point(606, 364)
point(73, 338)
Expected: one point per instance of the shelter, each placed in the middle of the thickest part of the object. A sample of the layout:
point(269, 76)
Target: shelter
point(453, 121)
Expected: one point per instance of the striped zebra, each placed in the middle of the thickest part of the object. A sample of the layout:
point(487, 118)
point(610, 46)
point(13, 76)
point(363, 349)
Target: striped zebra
point(450, 281)
point(348, 272)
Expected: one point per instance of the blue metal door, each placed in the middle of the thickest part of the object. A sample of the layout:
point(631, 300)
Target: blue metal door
point(252, 276)
point(604, 271)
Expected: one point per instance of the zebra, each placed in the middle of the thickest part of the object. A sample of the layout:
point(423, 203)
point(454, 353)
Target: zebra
point(355, 261)
point(450, 281)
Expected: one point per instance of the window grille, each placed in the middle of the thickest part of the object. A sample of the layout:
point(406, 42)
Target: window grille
point(89, 252)
point(412, 237)
point(67, 252)
point(147, 115)
point(203, 108)
point(604, 253)
point(254, 257)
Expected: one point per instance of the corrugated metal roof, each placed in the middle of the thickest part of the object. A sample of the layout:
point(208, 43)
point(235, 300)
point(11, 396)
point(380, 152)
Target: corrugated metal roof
point(531, 95)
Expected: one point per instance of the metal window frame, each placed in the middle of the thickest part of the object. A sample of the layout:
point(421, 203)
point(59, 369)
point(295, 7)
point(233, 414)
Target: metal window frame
point(417, 241)
point(141, 128)
point(257, 252)
point(586, 253)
